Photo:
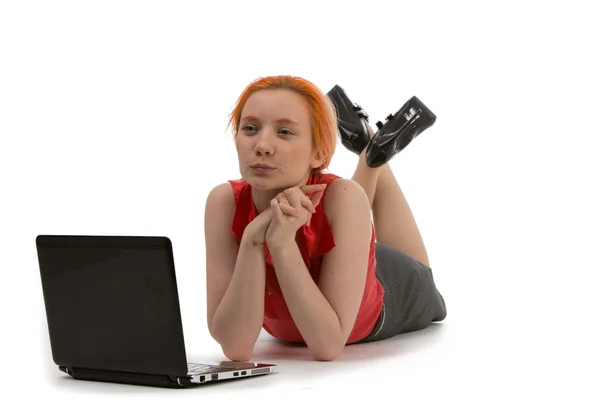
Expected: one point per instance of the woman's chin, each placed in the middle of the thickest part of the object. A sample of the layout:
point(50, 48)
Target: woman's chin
point(268, 183)
point(258, 183)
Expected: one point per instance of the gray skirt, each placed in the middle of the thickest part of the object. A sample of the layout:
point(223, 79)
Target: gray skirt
point(411, 300)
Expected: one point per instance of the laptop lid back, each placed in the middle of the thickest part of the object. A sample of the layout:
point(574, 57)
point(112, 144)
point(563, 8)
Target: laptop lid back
point(112, 303)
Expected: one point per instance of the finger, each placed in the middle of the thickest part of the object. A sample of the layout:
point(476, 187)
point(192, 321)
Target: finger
point(307, 203)
point(275, 207)
point(316, 199)
point(288, 210)
point(308, 221)
point(306, 189)
point(281, 198)
point(293, 198)
point(285, 206)
point(304, 200)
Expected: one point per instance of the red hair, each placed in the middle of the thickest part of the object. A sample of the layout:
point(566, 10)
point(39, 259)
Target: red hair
point(323, 119)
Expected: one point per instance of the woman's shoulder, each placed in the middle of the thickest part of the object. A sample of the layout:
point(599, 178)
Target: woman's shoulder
point(343, 195)
point(228, 192)
point(343, 187)
point(222, 193)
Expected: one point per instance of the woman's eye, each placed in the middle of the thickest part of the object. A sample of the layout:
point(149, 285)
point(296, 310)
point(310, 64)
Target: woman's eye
point(251, 129)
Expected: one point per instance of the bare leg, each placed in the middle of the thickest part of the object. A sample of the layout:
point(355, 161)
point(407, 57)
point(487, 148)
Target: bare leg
point(394, 222)
point(367, 177)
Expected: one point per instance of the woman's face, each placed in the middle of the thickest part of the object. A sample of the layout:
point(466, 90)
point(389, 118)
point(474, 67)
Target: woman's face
point(274, 142)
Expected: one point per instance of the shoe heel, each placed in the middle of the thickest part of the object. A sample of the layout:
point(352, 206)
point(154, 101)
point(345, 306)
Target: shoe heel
point(415, 112)
point(416, 107)
point(351, 120)
point(339, 97)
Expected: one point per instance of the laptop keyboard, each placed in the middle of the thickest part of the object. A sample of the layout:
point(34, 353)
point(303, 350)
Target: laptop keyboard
point(206, 368)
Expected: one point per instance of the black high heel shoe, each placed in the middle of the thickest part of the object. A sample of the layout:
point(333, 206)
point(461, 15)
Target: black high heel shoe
point(351, 118)
point(399, 130)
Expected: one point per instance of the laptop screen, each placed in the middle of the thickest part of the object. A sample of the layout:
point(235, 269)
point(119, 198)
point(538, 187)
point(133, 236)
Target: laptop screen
point(112, 303)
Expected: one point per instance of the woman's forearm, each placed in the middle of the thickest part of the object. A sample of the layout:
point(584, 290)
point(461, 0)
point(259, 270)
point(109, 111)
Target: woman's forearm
point(238, 319)
point(316, 320)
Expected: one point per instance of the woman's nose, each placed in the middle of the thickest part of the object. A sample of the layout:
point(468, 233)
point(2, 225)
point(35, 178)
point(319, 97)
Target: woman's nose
point(263, 143)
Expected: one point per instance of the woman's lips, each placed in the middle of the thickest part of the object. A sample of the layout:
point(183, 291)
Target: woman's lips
point(262, 170)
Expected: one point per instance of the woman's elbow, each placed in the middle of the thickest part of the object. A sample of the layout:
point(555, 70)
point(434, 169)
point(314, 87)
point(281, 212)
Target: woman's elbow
point(236, 351)
point(237, 354)
point(326, 356)
point(329, 353)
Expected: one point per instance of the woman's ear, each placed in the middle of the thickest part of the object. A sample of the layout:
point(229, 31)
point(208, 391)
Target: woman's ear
point(318, 160)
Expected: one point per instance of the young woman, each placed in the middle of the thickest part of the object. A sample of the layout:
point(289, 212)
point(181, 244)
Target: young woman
point(293, 249)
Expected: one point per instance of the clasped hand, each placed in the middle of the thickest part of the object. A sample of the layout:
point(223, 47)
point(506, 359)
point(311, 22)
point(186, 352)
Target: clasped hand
point(291, 209)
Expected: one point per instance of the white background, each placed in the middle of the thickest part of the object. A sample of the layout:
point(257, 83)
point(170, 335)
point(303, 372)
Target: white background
point(113, 121)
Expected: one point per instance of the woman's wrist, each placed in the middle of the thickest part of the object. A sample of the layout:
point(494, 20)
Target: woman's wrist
point(281, 245)
point(250, 240)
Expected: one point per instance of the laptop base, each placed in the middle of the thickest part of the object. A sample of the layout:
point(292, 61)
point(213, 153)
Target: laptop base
point(129, 378)
point(132, 378)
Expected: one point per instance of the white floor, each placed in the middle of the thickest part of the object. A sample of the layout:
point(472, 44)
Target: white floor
point(113, 118)
point(480, 358)
point(524, 335)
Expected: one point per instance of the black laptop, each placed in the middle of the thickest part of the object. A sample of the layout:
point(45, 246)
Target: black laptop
point(113, 313)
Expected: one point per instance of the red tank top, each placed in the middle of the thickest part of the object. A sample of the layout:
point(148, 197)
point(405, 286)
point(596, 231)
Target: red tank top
point(313, 241)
